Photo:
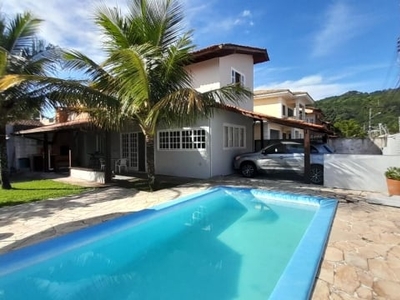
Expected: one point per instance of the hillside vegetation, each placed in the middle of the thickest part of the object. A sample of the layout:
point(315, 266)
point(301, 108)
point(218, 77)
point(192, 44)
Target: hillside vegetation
point(355, 108)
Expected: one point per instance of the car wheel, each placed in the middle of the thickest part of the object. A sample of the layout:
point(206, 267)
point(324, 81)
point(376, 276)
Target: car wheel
point(317, 174)
point(248, 169)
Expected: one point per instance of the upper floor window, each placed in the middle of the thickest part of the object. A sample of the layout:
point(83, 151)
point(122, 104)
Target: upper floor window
point(290, 112)
point(283, 110)
point(237, 77)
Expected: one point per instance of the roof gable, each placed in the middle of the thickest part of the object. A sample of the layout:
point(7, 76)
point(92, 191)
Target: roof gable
point(259, 55)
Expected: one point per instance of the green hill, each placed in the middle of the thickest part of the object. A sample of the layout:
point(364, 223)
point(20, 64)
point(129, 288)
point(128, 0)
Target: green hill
point(383, 106)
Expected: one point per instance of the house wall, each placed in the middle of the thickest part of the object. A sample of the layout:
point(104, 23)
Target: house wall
point(358, 172)
point(222, 159)
point(214, 73)
point(243, 64)
point(185, 163)
point(205, 75)
point(269, 106)
point(20, 150)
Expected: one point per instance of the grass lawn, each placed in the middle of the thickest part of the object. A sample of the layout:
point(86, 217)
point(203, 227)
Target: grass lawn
point(36, 190)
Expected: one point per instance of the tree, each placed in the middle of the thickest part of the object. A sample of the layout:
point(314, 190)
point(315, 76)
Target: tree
point(350, 129)
point(144, 77)
point(21, 53)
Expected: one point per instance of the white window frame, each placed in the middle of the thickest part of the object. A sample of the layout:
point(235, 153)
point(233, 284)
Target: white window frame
point(185, 139)
point(234, 73)
point(234, 136)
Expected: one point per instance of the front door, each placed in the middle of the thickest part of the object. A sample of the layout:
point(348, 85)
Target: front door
point(130, 149)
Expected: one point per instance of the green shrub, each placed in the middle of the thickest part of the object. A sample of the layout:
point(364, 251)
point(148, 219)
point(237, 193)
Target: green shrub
point(393, 173)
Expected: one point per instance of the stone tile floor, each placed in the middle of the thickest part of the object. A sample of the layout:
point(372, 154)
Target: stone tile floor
point(361, 261)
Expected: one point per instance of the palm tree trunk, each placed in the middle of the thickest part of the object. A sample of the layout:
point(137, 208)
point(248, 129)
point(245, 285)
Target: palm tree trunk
point(5, 175)
point(150, 160)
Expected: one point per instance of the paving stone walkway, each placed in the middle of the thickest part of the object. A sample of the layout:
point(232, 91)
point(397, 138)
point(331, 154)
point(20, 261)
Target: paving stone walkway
point(362, 258)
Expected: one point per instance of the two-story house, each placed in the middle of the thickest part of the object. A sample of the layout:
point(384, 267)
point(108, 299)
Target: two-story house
point(284, 104)
point(200, 150)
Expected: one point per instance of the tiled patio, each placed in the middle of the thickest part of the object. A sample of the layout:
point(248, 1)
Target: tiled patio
point(362, 259)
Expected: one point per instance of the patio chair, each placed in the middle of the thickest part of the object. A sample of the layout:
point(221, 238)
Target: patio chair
point(102, 163)
point(121, 164)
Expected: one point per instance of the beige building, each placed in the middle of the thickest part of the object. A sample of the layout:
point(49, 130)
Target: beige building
point(284, 104)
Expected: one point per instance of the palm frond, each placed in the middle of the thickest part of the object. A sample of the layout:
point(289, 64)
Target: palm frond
point(20, 32)
point(113, 26)
point(75, 61)
point(3, 61)
point(131, 67)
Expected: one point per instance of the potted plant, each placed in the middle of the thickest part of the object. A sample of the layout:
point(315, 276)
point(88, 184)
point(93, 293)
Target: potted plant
point(393, 180)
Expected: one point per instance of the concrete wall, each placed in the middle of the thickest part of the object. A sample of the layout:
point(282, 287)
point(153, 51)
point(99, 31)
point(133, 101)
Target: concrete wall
point(20, 148)
point(391, 145)
point(358, 172)
point(89, 175)
point(354, 146)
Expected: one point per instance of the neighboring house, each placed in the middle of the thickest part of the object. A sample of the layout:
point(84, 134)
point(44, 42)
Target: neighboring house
point(314, 115)
point(202, 150)
point(284, 104)
point(19, 149)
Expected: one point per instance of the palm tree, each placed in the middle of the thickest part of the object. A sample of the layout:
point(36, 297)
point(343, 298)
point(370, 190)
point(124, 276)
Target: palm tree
point(148, 52)
point(21, 53)
point(144, 77)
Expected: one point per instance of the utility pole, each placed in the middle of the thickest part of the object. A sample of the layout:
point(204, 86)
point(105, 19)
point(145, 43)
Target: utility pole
point(370, 116)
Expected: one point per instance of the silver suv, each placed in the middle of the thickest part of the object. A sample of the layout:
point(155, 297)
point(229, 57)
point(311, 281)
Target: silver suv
point(283, 156)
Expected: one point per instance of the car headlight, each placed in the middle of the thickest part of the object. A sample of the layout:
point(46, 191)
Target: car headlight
point(237, 157)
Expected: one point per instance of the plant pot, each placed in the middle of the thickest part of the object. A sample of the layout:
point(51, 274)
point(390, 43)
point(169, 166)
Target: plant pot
point(393, 186)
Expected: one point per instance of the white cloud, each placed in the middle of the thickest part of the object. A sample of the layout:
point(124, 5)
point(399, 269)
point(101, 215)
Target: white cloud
point(246, 13)
point(341, 24)
point(67, 23)
point(316, 85)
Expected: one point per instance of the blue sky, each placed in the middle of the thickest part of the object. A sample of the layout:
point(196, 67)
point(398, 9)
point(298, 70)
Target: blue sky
point(323, 47)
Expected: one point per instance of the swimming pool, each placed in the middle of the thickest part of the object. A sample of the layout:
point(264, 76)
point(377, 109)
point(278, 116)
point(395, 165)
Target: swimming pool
point(223, 243)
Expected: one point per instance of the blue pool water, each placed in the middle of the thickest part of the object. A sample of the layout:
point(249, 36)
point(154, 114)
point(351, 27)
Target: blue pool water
point(224, 243)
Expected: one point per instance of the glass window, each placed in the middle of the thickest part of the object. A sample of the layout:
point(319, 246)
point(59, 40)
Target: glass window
point(234, 136)
point(275, 149)
point(295, 148)
point(186, 139)
point(237, 77)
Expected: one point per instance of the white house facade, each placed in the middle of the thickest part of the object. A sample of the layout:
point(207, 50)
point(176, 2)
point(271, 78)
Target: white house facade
point(202, 150)
point(207, 149)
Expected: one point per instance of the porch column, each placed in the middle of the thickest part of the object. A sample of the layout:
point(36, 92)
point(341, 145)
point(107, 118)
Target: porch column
point(107, 158)
point(297, 110)
point(45, 153)
point(307, 160)
point(262, 133)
